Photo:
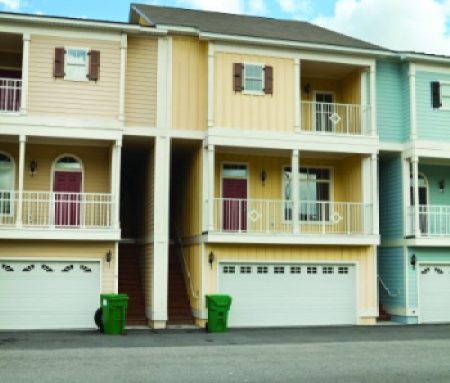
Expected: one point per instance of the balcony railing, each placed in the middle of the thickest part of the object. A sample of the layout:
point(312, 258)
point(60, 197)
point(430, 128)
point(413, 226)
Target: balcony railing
point(10, 94)
point(57, 210)
point(332, 118)
point(262, 216)
point(434, 220)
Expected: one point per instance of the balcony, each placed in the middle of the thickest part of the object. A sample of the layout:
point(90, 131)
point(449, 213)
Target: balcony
point(10, 95)
point(434, 221)
point(262, 216)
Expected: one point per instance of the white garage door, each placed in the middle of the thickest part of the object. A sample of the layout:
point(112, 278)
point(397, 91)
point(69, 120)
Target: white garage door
point(289, 295)
point(434, 293)
point(48, 295)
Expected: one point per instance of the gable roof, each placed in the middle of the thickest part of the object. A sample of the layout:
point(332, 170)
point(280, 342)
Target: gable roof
point(249, 26)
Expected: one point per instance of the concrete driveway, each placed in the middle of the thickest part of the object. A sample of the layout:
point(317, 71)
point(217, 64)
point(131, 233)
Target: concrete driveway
point(337, 354)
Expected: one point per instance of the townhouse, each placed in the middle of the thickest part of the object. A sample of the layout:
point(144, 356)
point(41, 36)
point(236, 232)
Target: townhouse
point(413, 125)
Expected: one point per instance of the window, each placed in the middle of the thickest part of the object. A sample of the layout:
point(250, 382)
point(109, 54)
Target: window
point(327, 270)
point(296, 270)
point(263, 269)
point(278, 270)
point(343, 270)
point(315, 187)
point(234, 171)
point(246, 270)
point(445, 95)
point(254, 78)
point(68, 163)
point(76, 64)
point(311, 270)
point(229, 269)
point(6, 184)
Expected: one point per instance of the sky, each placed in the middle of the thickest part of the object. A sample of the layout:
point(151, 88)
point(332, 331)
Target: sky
point(411, 25)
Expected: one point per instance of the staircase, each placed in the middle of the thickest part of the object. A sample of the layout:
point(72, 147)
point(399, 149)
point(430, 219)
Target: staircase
point(130, 283)
point(178, 304)
point(383, 315)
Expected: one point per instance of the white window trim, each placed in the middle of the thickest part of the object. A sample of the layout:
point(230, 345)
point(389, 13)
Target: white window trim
point(263, 83)
point(447, 83)
point(66, 64)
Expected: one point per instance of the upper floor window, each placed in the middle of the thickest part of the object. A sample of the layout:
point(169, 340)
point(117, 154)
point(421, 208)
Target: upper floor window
point(6, 184)
point(440, 94)
point(253, 78)
point(68, 163)
point(76, 64)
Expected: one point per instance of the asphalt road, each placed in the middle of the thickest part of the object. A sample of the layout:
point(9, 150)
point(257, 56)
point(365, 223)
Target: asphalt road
point(338, 354)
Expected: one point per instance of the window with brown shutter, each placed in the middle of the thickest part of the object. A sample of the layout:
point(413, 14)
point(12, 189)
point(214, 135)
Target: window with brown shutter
point(238, 77)
point(268, 80)
point(94, 66)
point(58, 67)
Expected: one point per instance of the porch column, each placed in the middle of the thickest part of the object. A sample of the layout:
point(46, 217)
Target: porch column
point(295, 191)
point(25, 70)
point(412, 101)
point(375, 218)
point(211, 85)
point(211, 184)
point(116, 160)
point(22, 146)
point(373, 101)
point(365, 102)
point(158, 314)
point(298, 95)
point(123, 68)
point(415, 169)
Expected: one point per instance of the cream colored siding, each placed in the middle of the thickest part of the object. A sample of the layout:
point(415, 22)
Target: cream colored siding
point(140, 105)
point(65, 250)
point(254, 112)
point(189, 83)
point(83, 99)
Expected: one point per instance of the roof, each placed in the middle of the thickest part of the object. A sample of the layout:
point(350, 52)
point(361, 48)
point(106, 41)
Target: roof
point(249, 26)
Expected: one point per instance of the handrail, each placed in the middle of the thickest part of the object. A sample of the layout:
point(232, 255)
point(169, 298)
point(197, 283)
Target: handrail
point(186, 272)
point(383, 284)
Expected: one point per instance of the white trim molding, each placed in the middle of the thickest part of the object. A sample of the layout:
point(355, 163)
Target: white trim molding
point(25, 73)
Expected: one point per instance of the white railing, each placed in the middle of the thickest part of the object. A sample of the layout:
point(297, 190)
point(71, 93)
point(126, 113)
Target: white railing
point(10, 94)
point(57, 210)
point(332, 118)
point(434, 220)
point(275, 217)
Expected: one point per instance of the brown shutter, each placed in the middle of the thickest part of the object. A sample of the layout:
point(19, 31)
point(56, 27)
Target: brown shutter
point(268, 80)
point(58, 67)
point(238, 77)
point(94, 66)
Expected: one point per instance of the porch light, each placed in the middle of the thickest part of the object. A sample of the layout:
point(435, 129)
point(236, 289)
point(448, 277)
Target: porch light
point(263, 177)
point(441, 186)
point(307, 88)
point(413, 261)
point(108, 256)
point(33, 168)
point(211, 258)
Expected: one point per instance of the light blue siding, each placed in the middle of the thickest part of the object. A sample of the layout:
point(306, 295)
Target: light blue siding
point(392, 108)
point(391, 198)
point(392, 272)
point(432, 124)
point(434, 174)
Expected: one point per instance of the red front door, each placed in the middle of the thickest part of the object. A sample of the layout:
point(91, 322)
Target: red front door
point(67, 188)
point(234, 194)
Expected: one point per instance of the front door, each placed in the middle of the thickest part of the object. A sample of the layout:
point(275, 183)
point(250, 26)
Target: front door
point(324, 110)
point(423, 209)
point(67, 188)
point(234, 209)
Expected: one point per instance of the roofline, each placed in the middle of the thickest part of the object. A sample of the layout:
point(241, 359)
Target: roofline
point(79, 23)
point(423, 57)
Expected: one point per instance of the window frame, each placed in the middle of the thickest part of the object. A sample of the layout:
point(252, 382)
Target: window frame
point(447, 84)
point(12, 190)
point(67, 64)
point(263, 79)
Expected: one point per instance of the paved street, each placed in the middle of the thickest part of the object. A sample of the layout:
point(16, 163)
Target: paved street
point(339, 354)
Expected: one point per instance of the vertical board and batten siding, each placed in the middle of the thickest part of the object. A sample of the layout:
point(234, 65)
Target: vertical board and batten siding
point(189, 83)
point(434, 175)
point(96, 165)
point(432, 124)
point(254, 112)
point(141, 78)
point(81, 99)
point(391, 268)
point(391, 197)
point(365, 256)
point(392, 100)
point(65, 250)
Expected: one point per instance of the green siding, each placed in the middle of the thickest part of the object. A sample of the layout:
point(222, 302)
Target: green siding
point(392, 271)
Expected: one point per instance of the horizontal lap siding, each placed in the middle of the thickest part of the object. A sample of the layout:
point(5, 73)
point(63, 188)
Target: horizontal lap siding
point(140, 97)
point(89, 99)
point(267, 112)
point(391, 267)
point(63, 250)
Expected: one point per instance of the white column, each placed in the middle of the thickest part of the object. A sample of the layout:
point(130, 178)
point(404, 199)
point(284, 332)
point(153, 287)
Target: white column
point(123, 71)
point(116, 160)
point(407, 202)
point(116, 268)
point(365, 102)
point(298, 95)
point(415, 168)
point(22, 145)
point(295, 191)
point(25, 73)
point(374, 193)
point(211, 186)
point(161, 230)
point(367, 190)
point(164, 84)
point(205, 189)
point(412, 100)
point(210, 85)
point(373, 101)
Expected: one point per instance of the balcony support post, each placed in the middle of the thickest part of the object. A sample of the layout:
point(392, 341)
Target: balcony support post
point(211, 192)
point(374, 193)
point(123, 67)
point(25, 70)
point(22, 146)
point(415, 169)
point(298, 96)
point(295, 192)
point(373, 101)
point(116, 159)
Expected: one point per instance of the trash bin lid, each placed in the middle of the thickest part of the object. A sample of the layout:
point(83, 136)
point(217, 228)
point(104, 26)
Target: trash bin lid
point(219, 300)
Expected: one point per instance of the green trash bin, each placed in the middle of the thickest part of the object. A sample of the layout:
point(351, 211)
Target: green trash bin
point(218, 308)
point(114, 313)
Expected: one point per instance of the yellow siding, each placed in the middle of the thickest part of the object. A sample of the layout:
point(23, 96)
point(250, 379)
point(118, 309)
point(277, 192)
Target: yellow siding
point(253, 112)
point(140, 104)
point(86, 99)
point(351, 88)
point(65, 250)
point(364, 256)
point(193, 255)
point(189, 83)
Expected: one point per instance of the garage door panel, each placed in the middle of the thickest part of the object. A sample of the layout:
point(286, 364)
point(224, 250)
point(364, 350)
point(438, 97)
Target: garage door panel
point(434, 293)
point(48, 295)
